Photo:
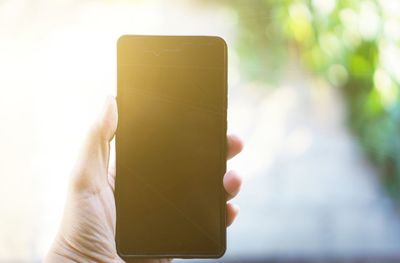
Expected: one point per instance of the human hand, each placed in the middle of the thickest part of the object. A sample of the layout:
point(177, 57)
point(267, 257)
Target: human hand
point(87, 231)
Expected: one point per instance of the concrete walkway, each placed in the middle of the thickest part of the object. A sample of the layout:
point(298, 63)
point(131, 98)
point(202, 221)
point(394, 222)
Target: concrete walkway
point(309, 189)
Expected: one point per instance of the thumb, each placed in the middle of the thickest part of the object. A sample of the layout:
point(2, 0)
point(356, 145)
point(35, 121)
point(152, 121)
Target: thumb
point(106, 123)
point(90, 172)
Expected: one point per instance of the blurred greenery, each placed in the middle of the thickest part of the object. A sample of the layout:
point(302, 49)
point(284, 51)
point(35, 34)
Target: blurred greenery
point(352, 44)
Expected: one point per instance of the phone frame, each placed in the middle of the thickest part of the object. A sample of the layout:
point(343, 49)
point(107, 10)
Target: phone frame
point(192, 40)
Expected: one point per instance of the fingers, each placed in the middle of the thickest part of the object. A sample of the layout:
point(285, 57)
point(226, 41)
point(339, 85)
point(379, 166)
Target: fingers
point(232, 181)
point(235, 146)
point(232, 184)
point(232, 211)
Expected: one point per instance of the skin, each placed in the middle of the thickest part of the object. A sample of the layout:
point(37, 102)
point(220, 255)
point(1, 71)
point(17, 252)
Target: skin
point(87, 231)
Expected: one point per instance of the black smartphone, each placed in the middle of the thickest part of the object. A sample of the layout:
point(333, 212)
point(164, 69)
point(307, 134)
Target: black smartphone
point(171, 146)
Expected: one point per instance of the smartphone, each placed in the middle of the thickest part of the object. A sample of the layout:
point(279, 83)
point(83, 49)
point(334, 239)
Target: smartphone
point(171, 146)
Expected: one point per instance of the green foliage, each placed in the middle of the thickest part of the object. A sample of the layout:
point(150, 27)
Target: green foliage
point(354, 44)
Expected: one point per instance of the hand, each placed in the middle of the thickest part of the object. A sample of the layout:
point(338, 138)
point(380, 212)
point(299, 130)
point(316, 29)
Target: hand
point(87, 231)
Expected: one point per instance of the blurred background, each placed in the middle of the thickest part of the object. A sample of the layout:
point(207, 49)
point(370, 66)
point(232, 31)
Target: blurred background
point(313, 90)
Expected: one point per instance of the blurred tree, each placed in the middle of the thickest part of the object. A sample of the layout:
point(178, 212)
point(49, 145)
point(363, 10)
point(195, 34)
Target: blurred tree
point(353, 44)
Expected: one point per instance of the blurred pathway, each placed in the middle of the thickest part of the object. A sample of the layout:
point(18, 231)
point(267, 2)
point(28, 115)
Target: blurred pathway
point(310, 191)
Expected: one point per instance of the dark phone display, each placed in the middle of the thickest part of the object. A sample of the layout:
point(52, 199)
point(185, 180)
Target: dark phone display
point(171, 146)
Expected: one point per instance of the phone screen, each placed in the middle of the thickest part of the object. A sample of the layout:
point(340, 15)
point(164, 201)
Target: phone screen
point(171, 146)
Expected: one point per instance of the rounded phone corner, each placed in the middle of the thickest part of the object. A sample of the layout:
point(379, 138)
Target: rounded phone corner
point(121, 39)
point(220, 40)
point(121, 254)
point(221, 252)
